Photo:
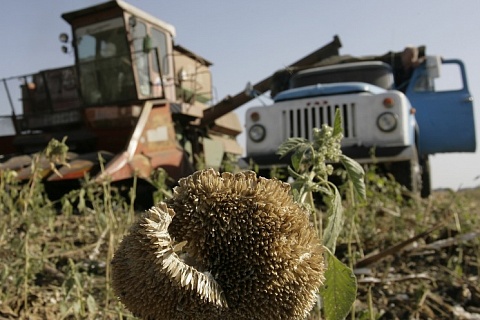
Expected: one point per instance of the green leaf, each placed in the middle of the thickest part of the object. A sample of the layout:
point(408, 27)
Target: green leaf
point(337, 125)
point(339, 290)
point(335, 220)
point(69, 284)
point(297, 157)
point(302, 156)
point(81, 200)
point(293, 173)
point(289, 145)
point(296, 195)
point(321, 189)
point(91, 305)
point(356, 175)
point(77, 307)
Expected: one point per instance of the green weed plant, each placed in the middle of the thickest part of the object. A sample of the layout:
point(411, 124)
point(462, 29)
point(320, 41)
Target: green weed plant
point(55, 264)
point(312, 165)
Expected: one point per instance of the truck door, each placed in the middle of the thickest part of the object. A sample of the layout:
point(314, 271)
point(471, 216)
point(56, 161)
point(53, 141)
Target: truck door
point(444, 109)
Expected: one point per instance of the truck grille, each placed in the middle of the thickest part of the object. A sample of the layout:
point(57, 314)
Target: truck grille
point(299, 122)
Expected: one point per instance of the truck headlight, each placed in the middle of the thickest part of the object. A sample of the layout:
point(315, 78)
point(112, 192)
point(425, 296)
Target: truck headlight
point(257, 133)
point(387, 121)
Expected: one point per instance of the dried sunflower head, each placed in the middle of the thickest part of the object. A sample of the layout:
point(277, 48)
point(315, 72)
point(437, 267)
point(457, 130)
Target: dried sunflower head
point(224, 247)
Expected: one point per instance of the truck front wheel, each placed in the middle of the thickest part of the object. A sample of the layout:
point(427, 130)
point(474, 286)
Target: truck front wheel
point(426, 178)
point(409, 174)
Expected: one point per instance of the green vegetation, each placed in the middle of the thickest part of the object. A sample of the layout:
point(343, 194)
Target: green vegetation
point(55, 265)
point(413, 258)
point(311, 167)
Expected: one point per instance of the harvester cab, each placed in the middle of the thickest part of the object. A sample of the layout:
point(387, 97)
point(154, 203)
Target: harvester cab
point(132, 95)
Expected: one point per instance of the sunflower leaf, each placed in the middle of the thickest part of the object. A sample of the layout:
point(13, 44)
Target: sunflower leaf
point(339, 290)
point(356, 175)
point(335, 220)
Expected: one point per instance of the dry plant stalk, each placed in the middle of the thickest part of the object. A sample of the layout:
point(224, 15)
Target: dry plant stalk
point(224, 247)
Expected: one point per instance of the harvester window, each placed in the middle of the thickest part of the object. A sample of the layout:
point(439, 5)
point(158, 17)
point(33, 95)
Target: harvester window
point(140, 58)
point(86, 48)
point(104, 62)
point(159, 41)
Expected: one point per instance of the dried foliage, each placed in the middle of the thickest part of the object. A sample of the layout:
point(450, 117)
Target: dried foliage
point(414, 258)
point(154, 281)
point(247, 252)
point(56, 265)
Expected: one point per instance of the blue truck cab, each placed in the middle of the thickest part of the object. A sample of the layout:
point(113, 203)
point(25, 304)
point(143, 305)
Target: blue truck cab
point(400, 126)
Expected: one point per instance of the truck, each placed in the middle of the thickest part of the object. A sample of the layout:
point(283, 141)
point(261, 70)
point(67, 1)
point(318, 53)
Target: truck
point(395, 109)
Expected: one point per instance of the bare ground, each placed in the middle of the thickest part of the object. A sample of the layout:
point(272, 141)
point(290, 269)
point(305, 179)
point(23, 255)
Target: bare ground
point(427, 268)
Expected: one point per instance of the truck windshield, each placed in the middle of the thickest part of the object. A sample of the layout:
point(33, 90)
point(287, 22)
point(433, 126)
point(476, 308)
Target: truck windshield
point(379, 74)
point(105, 69)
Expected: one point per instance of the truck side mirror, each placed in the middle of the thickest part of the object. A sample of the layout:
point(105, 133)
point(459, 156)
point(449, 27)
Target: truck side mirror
point(433, 66)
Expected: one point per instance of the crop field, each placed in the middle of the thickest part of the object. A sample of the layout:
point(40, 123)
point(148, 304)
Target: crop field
point(413, 258)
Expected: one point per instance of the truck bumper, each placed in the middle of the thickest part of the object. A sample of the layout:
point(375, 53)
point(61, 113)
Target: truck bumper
point(363, 155)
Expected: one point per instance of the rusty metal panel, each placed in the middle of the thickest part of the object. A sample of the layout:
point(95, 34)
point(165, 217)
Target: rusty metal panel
point(213, 151)
point(152, 144)
point(76, 170)
point(108, 116)
point(230, 145)
point(43, 167)
point(141, 166)
point(16, 163)
point(116, 169)
point(228, 124)
point(158, 132)
point(174, 161)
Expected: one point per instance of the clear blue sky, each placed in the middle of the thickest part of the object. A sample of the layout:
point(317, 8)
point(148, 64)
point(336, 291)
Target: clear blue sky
point(248, 40)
